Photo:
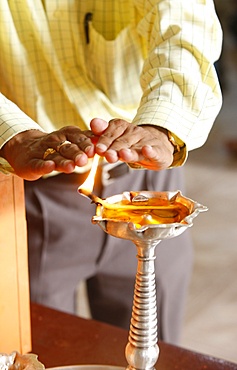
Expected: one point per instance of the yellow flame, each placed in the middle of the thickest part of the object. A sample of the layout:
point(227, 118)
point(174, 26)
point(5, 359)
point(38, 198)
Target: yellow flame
point(88, 184)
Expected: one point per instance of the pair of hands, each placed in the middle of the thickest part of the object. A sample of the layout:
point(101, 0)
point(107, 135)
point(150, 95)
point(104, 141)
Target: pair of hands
point(144, 146)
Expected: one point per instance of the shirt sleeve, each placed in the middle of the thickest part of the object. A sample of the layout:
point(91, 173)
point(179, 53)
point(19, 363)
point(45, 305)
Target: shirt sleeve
point(181, 91)
point(13, 120)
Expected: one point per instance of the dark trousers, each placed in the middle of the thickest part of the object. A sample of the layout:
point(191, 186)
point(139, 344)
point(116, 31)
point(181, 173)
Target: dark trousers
point(65, 248)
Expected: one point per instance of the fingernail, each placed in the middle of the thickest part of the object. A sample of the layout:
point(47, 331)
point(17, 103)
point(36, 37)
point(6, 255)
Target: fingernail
point(101, 147)
point(81, 160)
point(87, 149)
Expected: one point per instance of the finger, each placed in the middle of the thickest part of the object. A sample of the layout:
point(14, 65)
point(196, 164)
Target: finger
point(79, 150)
point(151, 157)
point(83, 139)
point(114, 131)
point(35, 169)
point(61, 164)
point(70, 133)
point(98, 126)
point(150, 152)
point(64, 165)
point(146, 153)
point(130, 155)
point(68, 157)
point(159, 155)
point(84, 149)
point(79, 158)
point(82, 142)
point(111, 156)
point(127, 136)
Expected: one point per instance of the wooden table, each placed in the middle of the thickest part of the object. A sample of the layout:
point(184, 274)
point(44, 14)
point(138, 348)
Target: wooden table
point(14, 281)
point(60, 339)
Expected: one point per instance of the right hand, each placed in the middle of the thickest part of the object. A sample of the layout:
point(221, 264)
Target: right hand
point(25, 151)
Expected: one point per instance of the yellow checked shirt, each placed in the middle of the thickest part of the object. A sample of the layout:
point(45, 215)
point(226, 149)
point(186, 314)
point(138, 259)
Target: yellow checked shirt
point(64, 62)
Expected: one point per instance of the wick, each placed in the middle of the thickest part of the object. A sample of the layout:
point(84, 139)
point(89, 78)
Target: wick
point(94, 198)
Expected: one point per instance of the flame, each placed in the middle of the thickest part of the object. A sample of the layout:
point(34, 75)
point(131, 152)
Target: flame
point(88, 185)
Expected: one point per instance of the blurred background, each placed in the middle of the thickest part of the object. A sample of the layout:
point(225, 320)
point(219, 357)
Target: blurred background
point(211, 174)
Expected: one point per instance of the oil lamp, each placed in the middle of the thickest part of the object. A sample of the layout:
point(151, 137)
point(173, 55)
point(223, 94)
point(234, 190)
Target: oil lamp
point(146, 218)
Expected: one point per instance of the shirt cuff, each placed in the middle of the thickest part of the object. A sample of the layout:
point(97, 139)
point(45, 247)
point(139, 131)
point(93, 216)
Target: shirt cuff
point(180, 150)
point(5, 167)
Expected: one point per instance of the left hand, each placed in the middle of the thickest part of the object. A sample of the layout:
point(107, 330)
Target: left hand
point(146, 146)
